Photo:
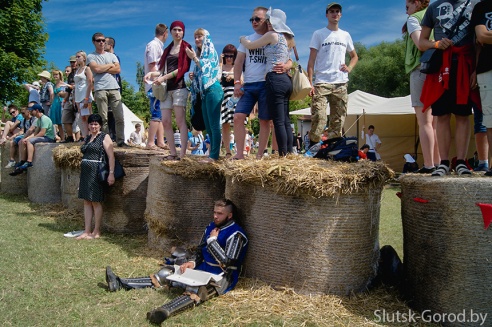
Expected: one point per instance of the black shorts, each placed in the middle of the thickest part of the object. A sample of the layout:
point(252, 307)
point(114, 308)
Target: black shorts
point(446, 104)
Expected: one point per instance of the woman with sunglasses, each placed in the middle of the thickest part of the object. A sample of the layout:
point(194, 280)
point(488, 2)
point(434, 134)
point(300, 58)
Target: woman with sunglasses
point(206, 82)
point(228, 57)
point(277, 43)
point(173, 65)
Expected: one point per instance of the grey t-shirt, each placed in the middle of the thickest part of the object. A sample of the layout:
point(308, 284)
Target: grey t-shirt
point(441, 15)
point(103, 81)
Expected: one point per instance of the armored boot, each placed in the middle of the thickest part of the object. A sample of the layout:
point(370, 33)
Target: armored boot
point(116, 283)
point(171, 308)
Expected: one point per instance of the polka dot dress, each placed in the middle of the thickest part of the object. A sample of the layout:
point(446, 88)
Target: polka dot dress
point(89, 188)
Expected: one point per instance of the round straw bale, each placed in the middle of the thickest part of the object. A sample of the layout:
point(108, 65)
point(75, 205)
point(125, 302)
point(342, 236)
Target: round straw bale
point(11, 184)
point(125, 201)
point(44, 178)
point(322, 240)
point(447, 251)
point(67, 156)
point(180, 201)
point(70, 179)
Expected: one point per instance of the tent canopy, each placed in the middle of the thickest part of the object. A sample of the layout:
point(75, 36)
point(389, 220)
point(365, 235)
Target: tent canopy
point(360, 101)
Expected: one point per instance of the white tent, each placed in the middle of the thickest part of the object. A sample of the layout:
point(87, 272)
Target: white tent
point(130, 121)
point(394, 121)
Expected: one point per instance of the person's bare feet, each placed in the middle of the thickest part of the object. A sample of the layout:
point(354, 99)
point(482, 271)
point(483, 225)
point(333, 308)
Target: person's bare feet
point(83, 236)
point(95, 235)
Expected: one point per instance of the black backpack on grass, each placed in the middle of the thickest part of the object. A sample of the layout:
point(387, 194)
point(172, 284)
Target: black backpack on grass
point(340, 149)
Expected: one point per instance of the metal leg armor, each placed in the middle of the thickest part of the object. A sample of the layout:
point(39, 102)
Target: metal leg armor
point(116, 283)
point(181, 303)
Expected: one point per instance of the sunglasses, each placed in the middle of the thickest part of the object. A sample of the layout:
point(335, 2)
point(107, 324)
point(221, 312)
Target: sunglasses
point(255, 19)
point(228, 56)
point(100, 40)
point(12, 112)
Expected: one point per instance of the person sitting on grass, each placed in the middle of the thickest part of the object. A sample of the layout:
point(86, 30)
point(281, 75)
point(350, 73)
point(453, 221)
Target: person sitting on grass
point(221, 251)
point(43, 133)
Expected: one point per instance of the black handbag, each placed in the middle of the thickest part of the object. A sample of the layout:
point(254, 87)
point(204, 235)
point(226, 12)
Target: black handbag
point(197, 116)
point(103, 169)
point(431, 61)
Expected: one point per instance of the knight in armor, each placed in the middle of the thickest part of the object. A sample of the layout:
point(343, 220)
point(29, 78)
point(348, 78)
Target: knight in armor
point(221, 251)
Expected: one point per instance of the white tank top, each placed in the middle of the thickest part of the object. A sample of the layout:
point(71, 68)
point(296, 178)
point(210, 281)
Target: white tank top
point(81, 86)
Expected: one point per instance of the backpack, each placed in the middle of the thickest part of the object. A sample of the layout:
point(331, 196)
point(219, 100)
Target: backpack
point(340, 149)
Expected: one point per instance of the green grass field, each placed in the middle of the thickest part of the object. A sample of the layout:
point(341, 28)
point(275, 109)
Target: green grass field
point(49, 280)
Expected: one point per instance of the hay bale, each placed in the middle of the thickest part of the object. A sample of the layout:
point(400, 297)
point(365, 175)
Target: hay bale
point(44, 178)
point(67, 156)
point(70, 179)
point(125, 203)
point(313, 225)
point(180, 201)
point(11, 184)
point(447, 252)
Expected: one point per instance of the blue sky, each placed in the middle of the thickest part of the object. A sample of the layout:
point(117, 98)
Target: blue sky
point(70, 25)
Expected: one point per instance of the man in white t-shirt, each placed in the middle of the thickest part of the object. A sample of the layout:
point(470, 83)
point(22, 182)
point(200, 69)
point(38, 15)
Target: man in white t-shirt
point(107, 91)
point(153, 53)
point(328, 75)
point(253, 90)
point(373, 141)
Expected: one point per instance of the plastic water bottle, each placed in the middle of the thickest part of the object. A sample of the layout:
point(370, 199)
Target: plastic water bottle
point(232, 102)
point(312, 151)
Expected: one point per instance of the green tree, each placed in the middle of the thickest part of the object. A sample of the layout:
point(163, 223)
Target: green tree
point(381, 70)
point(22, 44)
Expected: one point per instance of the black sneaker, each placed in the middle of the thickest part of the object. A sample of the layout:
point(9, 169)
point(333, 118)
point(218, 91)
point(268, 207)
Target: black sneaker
point(112, 280)
point(424, 170)
point(123, 145)
point(488, 172)
point(68, 140)
point(17, 171)
point(20, 163)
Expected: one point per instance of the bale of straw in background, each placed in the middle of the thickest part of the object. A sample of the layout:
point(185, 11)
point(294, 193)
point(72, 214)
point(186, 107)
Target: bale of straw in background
point(180, 201)
point(70, 179)
point(66, 156)
point(44, 178)
point(312, 224)
point(447, 251)
point(125, 201)
point(11, 184)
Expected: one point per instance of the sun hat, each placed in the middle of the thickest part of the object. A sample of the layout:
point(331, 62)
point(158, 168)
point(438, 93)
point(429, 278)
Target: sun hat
point(46, 74)
point(334, 4)
point(72, 58)
point(278, 18)
point(36, 83)
point(409, 158)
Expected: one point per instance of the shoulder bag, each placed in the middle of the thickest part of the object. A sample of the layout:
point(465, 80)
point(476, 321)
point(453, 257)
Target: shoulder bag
point(103, 168)
point(300, 82)
point(431, 59)
point(160, 90)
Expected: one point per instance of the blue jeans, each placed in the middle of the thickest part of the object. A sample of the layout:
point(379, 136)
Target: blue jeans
point(211, 104)
point(278, 90)
point(155, 107)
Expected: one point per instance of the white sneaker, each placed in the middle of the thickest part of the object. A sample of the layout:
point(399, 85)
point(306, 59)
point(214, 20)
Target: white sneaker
point(74, 233)
point(10, 164)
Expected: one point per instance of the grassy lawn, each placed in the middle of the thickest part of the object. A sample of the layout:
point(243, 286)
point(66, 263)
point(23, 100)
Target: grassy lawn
point(49, 280)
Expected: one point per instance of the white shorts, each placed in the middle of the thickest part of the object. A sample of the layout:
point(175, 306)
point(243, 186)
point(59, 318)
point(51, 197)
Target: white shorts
point(175, 98)
point(417, 80)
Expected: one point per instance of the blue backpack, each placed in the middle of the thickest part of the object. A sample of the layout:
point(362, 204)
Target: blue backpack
point(340, 149)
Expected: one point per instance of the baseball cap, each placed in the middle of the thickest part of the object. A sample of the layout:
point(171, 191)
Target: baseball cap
point(334, 4)
point(35, 107)
point(72, 58)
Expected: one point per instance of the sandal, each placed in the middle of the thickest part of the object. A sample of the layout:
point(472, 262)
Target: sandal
point(164, 147)
point(462, 169)
point(152, 148)
point(171, 157)
point(442, 170)
point(228, 155)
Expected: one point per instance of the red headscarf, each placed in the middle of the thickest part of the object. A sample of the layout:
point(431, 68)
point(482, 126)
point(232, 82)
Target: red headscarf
point(183, 60)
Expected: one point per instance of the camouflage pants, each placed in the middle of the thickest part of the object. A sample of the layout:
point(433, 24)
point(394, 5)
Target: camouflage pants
point(336, 96)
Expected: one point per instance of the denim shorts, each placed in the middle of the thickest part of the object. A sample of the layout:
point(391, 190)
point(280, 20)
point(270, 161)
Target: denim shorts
point(254, 92)
point(41, 139)
point(478, 126)
point(17, 139)
point(155, 107)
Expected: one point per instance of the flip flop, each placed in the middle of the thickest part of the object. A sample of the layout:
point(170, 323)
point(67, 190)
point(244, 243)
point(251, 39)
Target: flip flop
point(153, 148)
point(171, 158)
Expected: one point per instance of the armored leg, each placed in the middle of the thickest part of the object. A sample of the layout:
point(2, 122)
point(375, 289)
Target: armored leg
point(116, 283)
point(181, 303)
